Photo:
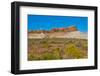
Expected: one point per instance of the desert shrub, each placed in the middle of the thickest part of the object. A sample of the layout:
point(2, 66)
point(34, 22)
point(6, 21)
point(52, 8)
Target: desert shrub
point(44, 41)
point(47, 56)
point(32, 56)
point(85, 46)
point(73, 52)
point(54, 54)
point(56, 48)
point(46, 45)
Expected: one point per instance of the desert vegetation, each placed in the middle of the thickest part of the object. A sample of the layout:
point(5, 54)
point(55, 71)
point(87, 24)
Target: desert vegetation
point(57, 48)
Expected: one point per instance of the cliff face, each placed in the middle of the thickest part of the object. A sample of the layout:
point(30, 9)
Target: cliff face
point(72, 28)
point(68, 29)
point(70, 32)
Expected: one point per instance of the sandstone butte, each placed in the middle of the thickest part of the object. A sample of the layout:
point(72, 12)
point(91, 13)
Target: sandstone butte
point(68, 29)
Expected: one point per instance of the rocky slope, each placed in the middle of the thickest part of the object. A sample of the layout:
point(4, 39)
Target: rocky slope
point(70, 32)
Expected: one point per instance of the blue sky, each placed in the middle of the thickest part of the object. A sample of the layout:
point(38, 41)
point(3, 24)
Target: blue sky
point(48, 22)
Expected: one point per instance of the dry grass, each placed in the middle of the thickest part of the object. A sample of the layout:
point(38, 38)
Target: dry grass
point(54, 48)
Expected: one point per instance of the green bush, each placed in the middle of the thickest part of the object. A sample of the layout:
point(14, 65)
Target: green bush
point(47, 56)
point(54, 54)
point(46, 45)
point(73, 52)
point(32, 57)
